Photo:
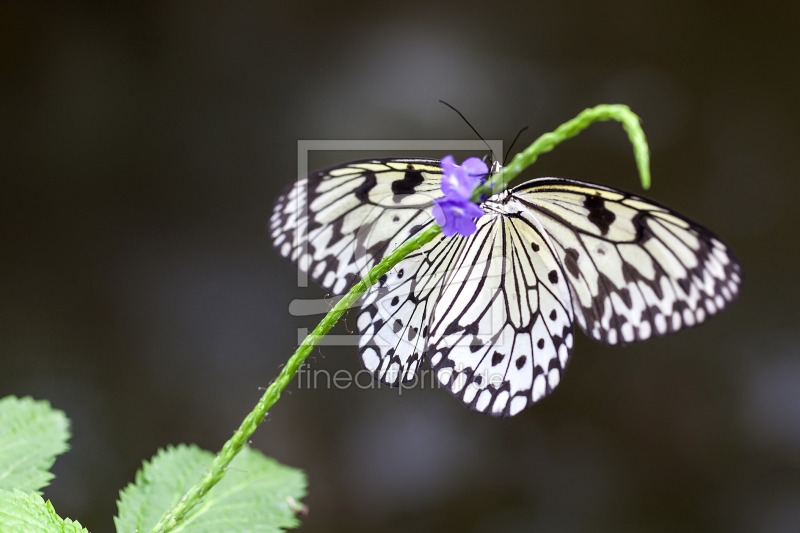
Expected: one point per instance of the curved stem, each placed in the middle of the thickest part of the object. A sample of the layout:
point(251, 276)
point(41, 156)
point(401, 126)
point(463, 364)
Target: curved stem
point(499, 181)
point(229, 450)
point(548, 141)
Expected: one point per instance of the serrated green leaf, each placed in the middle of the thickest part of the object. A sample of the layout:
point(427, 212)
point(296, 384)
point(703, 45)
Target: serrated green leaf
point(22, 512)
point(257, 494)
point(31, 435)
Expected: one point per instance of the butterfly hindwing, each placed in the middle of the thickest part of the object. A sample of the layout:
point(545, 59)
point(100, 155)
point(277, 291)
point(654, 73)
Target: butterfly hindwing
point(394, 316)
point(501, 331)
point(338, 223)
point(636, 269)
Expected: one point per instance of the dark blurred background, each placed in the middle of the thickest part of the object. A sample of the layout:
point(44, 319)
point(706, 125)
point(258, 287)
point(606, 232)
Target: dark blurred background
point(142, 145)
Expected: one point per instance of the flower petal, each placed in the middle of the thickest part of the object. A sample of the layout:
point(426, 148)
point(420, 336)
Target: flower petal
point(472, 210)
point(449, 229)
point(458, 181)
point(455, 184)
point(475, 167)
point(438, 212)
point(448, 164)
point(456, 216)
point(465, 226)
point(456, 212)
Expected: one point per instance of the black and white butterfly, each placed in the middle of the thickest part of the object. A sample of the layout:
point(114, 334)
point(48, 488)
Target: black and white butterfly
point(494, 312)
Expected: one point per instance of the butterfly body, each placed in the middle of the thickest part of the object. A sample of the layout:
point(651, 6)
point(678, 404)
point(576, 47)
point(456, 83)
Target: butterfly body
point(494, 312)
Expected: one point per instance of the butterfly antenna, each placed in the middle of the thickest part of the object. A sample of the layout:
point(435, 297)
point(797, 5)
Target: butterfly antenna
point(468, 124)
point(505, 157)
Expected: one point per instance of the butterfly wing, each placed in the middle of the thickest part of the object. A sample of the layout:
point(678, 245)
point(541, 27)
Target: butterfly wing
point(394, 317)
point(495, 311)
point(635, 268)
point(549, 250)
point(501, 330)
point(338, 223)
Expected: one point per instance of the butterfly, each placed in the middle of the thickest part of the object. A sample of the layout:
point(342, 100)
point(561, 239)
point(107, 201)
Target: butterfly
point(494, 312)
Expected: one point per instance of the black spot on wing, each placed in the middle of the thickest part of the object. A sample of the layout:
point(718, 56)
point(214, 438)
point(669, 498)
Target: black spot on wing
point(497, 358)
point(599, 215)
point(625, 294)
point(471, 329)
point(407, 185)
point(415, 229)
point(362, 191)
point(451, 328)
point(571, 262)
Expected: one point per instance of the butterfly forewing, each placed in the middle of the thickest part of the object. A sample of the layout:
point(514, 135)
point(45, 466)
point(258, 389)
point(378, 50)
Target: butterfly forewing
point(339, 222)
point(636, 269)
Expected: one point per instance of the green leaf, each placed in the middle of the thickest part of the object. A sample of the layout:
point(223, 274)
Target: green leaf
point(22, 512)
point(257, 494)
point(31, 435)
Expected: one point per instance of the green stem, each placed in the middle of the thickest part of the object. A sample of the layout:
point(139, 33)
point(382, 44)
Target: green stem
point(548, 141)
point(229, 450)
point(543, 144)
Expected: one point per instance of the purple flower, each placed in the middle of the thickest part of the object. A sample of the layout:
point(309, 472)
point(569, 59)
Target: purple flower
point(458, 181)
point(456, 213)
point(456, 216)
